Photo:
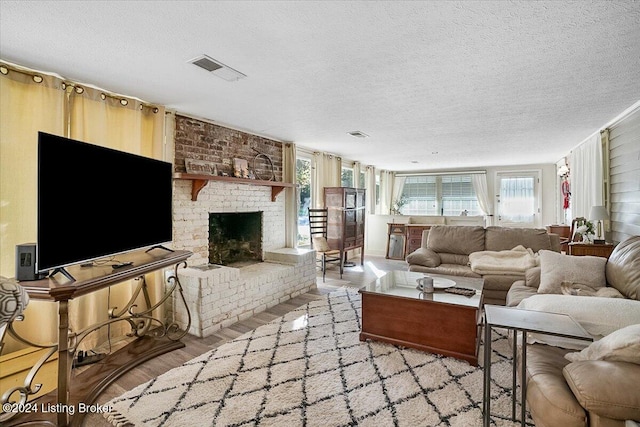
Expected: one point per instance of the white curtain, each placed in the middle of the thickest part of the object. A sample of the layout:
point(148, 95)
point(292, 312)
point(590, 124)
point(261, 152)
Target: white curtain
point(370, 187)
point(398, 187)
point(586, 177)
point(517, 199)
point(386, 191)
point(479, 181)
point(327, 169)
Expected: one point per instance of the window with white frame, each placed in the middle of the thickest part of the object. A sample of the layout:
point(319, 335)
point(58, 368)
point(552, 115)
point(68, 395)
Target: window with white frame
point(447, 195)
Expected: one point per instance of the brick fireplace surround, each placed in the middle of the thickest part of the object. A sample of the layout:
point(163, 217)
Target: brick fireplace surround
point(221, 296)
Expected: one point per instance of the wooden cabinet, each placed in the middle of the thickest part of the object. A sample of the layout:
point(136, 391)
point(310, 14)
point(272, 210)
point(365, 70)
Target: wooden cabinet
point(593, 249)
point(346, 216)
point(414, 236)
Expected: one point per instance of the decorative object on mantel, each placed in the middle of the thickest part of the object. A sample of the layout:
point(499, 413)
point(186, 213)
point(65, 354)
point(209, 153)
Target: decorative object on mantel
point(263, 167)
point(199, 167)
point(240, 168)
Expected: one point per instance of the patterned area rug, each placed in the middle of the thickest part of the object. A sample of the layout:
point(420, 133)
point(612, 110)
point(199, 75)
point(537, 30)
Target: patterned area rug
point(309, 368)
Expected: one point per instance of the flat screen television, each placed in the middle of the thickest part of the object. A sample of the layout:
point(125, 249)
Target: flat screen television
point(95, 202)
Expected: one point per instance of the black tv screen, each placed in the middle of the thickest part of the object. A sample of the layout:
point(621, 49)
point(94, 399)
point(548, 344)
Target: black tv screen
point(94, 202)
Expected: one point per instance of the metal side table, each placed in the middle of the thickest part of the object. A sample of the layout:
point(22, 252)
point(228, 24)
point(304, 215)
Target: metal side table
point(524, 321)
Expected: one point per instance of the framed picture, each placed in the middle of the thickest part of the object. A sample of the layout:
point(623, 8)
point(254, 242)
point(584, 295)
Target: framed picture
point(240, 168)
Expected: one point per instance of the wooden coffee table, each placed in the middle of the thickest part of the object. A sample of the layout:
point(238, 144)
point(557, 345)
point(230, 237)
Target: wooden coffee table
point(396, 312)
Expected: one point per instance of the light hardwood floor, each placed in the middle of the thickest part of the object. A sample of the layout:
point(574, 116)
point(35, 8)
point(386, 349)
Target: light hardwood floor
point(356, 276)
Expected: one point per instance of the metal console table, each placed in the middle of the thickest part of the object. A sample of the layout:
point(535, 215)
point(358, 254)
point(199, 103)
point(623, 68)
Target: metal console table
point(154, 336)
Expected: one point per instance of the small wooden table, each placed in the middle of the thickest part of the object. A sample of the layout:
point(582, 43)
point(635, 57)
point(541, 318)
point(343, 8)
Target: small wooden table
point(593, 249)
point(395, 311)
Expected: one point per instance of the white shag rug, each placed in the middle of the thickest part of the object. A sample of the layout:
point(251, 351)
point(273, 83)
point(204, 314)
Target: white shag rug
point(308, 368)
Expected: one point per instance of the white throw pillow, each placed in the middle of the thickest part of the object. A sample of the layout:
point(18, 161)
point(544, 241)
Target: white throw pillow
point(622, 345)
point(320, 244)
point(556, 268)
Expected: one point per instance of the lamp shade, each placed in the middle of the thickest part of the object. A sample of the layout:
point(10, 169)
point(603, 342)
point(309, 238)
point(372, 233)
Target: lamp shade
point(598, 213)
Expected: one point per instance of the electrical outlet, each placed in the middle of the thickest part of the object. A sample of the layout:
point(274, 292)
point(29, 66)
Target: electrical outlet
point(167, 274)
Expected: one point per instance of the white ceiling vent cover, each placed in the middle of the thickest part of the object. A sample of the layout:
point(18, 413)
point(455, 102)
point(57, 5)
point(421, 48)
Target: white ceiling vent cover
point(217, 68)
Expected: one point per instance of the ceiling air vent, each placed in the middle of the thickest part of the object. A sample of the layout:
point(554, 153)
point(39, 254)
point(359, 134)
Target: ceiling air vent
point(217, 68)
point(358, 134)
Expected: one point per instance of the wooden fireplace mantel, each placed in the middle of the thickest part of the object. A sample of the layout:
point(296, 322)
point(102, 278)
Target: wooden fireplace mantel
point(198, 182)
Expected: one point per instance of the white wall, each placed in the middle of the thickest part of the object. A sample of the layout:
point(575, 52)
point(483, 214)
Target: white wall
point(376, 232)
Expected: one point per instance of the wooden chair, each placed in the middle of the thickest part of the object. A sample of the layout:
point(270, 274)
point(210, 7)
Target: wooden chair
point(318, 220)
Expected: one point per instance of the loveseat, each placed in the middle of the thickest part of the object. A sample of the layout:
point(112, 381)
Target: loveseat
point(598, 386)
point(445, 249)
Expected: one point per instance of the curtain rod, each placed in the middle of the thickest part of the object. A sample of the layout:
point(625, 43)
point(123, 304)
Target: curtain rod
point(477, 172)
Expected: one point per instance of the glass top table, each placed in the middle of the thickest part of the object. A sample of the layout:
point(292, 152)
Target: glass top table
point(404, 284)
point(395, 311)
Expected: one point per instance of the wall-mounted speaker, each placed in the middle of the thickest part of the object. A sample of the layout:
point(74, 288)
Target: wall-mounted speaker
point(26, 262)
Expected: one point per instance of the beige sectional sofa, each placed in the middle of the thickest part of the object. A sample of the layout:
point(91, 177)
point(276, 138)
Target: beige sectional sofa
point(446, 249)
point(593, 393)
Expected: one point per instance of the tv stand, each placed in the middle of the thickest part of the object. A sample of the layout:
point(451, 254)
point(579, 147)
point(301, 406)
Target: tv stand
point(152, 335)
point(62, 271)
point(159, 247)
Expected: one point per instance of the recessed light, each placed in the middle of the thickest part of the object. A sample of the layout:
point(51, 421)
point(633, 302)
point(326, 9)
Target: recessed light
point(358, 134)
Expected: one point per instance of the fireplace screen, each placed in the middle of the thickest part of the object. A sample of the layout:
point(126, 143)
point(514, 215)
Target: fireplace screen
point(235, 239)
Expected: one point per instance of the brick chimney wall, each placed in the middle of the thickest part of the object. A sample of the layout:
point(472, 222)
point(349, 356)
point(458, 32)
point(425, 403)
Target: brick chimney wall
point(205, 141)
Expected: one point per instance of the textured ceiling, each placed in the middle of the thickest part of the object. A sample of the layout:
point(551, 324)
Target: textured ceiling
point(479, 83)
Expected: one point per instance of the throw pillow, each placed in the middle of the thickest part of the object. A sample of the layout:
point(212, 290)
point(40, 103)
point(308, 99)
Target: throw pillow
point(556, 268)
point(320, 244)
point(425, 257)
point(13, 299)
point(622, 345)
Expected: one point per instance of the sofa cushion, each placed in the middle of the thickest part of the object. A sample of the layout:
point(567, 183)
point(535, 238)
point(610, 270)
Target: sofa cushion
point(609, 389)
point(550, 400)
point(456, 239)
point(556, 268)
point(454, 259)
point(505, 238)
point(623, 268)
point(519, 291)
point(622, 345)
point(532, 277)
point(424, 256)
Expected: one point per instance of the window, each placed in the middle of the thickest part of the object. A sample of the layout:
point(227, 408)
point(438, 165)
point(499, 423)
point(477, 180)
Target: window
point(458, 196)
point(347, 177)
point(362, 182)
point(421, 193)
point(303, 178)
point(448, 195)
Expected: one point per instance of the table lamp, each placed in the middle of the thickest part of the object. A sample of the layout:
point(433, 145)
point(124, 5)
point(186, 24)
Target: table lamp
point(599, 214)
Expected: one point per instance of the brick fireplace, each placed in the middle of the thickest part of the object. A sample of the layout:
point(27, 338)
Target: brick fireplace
point(218, 296)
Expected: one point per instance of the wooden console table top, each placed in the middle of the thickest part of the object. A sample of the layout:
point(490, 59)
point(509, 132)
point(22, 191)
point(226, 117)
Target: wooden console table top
point(91, 279)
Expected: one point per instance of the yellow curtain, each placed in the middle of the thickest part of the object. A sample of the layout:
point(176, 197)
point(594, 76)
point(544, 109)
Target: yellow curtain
point(291, 195)
point(123, 124)
point(327, 170)
point(28, 103)
point(32, 102)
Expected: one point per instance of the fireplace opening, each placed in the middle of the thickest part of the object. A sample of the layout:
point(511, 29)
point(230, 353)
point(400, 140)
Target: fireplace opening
point(235, 238)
